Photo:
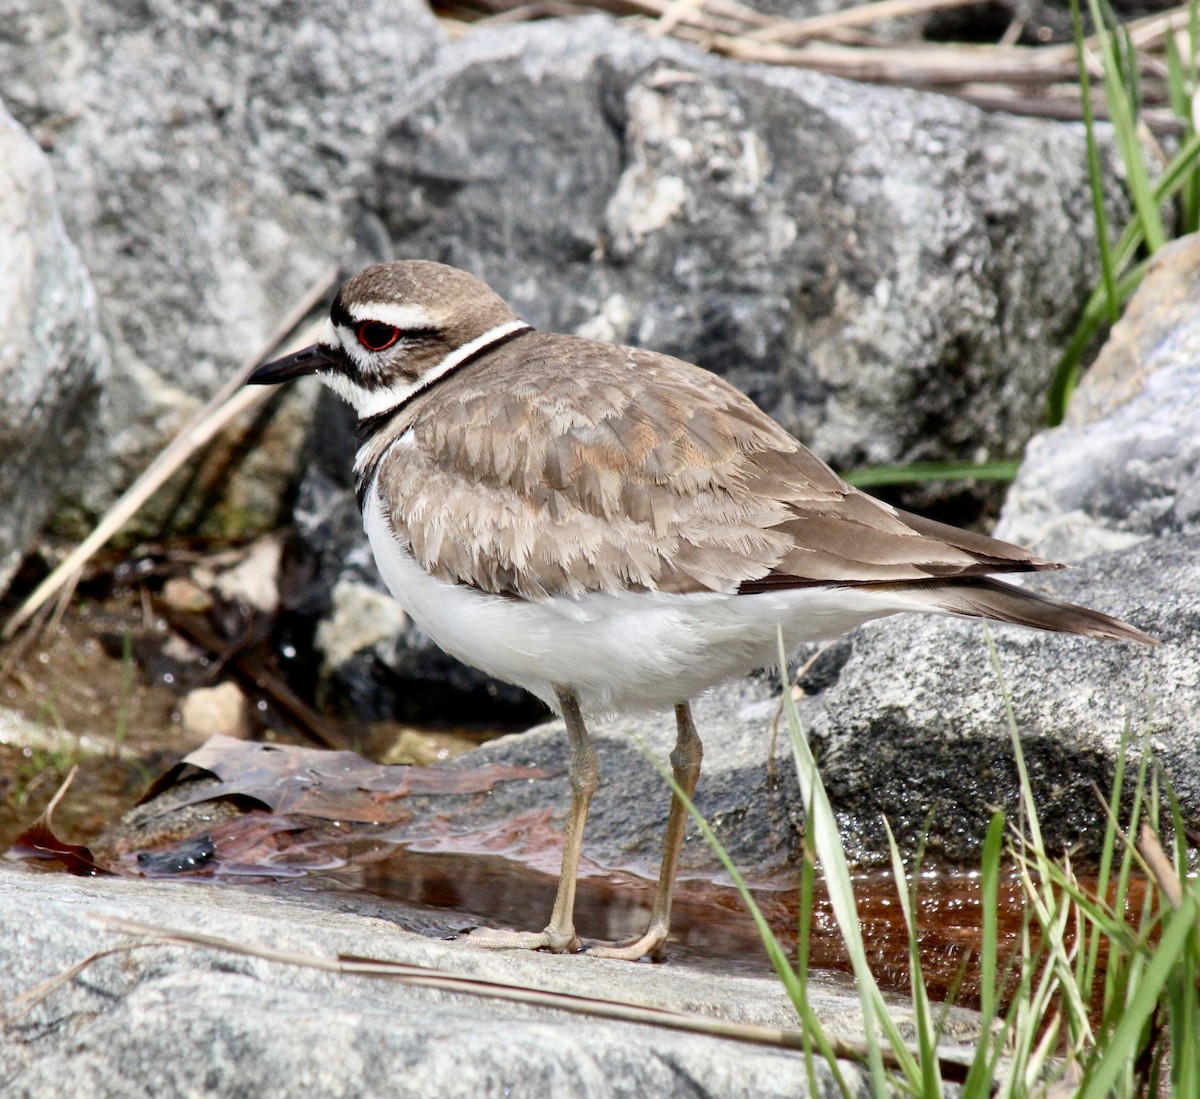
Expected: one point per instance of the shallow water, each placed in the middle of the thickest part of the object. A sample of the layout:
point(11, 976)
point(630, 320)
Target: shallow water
point(710, 925)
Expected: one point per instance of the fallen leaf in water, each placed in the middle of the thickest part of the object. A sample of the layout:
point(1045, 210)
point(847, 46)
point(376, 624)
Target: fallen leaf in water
point(316, 783)
point(236, 810)
point(38, 841)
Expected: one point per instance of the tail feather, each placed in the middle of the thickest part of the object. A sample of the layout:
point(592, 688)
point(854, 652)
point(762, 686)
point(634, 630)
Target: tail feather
point(987, 598)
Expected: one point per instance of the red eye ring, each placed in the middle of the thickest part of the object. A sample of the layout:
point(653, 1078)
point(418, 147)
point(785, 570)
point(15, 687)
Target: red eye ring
point(375, 335)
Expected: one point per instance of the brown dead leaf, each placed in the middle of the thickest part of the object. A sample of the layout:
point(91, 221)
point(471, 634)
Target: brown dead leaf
point(39, 841)
point(311, 782)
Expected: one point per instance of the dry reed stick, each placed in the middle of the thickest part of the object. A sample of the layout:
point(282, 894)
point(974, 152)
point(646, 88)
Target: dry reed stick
point(226, 404)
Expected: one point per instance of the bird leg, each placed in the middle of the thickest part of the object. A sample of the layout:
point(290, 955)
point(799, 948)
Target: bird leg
point(685, 765)
point(584, 773)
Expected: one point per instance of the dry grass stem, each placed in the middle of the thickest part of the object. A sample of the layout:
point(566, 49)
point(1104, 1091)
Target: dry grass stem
point(1164, 873)
point(1020, 79)
point(424, 977)
point(226, 405)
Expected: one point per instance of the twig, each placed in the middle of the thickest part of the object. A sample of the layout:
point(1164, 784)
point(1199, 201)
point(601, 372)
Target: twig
point(228, 402)
point(836, 44)
point(592, 1006)
point(28, 1000)
point(861, 15)
point(196, 630)
point(925, 65)
point(677, 11)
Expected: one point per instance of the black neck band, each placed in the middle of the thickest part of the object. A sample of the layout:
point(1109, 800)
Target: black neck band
point(370, 426)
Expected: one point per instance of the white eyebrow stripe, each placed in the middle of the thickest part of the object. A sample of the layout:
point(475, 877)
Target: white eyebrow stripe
point(405, 317)
point(381, 400)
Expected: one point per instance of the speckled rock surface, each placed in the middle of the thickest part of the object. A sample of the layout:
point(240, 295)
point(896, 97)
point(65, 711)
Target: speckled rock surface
point(209, 161)
point(165, 1021)
point(53, 361)
point(1125, 464)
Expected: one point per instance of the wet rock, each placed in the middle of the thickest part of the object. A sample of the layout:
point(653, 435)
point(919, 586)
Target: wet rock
point(52, 358)
point(1125, 464)
point(361, 617)
point(415, 746)
point(269, 1029)
point(252, 582)
point(186, 596)
point(748, 792)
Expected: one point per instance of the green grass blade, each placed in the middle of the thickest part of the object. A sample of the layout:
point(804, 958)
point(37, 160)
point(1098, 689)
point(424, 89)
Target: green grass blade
point(1177, 81)
point(774, 948)
point(1030, 808)
point(1122, 1049)
point(989, 895)
point(126, 692)
point(822, 826)
point(1066, 373)
point(1117, 93)
point(978, 1083)
point(1108, 267)
point(919, 472)
point(1180, 86)
point(803, 940)
point(1089, 956)
point(931, 1080)
point(1180, 178)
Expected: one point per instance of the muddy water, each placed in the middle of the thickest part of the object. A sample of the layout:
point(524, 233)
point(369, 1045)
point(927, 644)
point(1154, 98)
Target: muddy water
point(449, 892)
point(445, 893)
point(710, 926)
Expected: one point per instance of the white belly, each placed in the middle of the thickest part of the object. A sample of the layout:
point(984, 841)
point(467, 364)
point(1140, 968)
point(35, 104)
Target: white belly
point(620, 652)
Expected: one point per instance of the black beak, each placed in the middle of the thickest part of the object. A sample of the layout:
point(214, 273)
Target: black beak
point(311, 360)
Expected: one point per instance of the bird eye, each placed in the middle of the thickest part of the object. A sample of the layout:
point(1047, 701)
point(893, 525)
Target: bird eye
point(377, 336)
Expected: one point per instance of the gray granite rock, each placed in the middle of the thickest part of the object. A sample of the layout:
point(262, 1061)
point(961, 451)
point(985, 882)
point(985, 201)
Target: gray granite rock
point(40, 39)
point(209, 161)
point(53, 361)
point(165, 1021)
point(1125, 464)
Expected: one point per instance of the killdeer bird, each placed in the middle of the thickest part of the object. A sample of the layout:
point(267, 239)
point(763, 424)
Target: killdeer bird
point(615, 529)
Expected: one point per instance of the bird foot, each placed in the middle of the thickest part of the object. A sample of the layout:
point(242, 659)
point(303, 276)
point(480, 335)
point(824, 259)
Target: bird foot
point(491, 938)
point(651, 945)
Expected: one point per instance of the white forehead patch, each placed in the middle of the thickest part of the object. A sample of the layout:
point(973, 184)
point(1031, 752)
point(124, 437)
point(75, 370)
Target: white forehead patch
point(329, 334)
point(404, 317)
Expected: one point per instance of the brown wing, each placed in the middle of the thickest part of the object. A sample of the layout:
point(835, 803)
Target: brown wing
point(562, 466)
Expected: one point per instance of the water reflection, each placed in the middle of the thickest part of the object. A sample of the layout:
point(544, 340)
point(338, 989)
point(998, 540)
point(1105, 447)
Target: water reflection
point(710, 926)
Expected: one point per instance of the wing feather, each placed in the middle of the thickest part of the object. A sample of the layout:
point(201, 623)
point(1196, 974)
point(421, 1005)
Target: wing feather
point(626, 470)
